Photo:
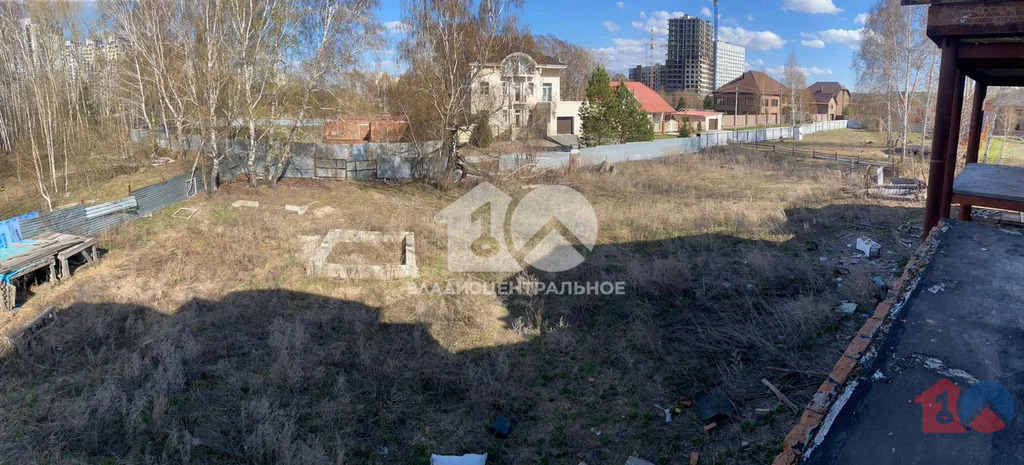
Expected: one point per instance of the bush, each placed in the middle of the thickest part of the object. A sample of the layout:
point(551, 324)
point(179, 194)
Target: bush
point(684, 128)
point(482, 135)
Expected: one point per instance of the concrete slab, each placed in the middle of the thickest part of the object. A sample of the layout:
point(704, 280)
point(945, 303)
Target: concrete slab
point(970, 329)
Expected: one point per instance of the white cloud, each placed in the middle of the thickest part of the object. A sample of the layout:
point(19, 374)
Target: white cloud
point(811, 6)
point(730, 20)
point(705, 12)
point(779, 71)
point(657, 20)
point(611, 26)
point(861, 18)
point(395, 27)
point(622, 55)
point(757, 40)
point(620, 5)
point(756, 64)
point(848, 37)
point(750, 17)
point(813, 43)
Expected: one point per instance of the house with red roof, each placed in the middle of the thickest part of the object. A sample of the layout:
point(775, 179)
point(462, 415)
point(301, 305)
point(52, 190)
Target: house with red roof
point(657, 109)
point(700, 120)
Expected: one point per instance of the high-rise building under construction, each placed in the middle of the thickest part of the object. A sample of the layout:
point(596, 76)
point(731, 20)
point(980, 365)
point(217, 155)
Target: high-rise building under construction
point(689, 65)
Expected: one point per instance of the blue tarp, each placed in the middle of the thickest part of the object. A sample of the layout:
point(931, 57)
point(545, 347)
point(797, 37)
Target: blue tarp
point(10, 230)
point(13, 250)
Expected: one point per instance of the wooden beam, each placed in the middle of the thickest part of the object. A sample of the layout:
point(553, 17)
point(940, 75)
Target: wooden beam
point(974, 136)
point(943, 105)
point(1002, 204)
point(952, 144)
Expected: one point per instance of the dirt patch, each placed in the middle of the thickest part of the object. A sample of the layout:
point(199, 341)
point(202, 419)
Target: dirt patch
point(366, 253)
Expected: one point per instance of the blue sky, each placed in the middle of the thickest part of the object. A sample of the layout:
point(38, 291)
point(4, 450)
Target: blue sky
point(823, 33)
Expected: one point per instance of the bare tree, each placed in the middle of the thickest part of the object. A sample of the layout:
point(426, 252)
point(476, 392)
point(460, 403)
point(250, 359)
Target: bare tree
point(795, 83)
point(445, 38)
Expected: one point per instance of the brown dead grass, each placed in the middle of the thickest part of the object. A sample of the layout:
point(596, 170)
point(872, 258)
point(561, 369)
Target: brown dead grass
point(204, 341)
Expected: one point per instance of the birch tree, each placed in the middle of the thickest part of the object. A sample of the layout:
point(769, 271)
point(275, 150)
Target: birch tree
point(795, 83)
point(444, 39)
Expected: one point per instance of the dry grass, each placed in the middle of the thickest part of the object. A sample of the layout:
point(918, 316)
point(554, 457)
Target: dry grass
point(202, 340)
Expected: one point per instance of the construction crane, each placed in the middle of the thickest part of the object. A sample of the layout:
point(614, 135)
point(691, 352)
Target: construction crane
point(714, 59)
point(652, 73)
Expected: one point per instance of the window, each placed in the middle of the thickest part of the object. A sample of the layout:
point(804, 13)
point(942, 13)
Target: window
point(530, 89)
point(750, 102)
point(504, 116)
point(485, 88)
point(775, 102)
point(519, 118)
point(546, 93)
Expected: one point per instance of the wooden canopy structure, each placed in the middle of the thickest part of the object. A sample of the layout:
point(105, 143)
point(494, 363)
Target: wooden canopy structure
point(982, 40)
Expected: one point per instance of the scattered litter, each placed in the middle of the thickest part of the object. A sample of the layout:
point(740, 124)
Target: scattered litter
point(384, 451)
point(710, 426)
point(468, 459)
point(745, 444)
point(713, 403)
point(847, 308)
point(530, 186)
point(937, 288)
point(878, 281)
point(182, 212)
point(822, 259)
point(245, 203)
point(596, 431)
point(782, 397)
point(323, 211)
point(637, 461)
point(300, 209)
point(161, 161)
point(501, 427)
point(668, 415)
point(686, 403)
point(877, 375)
point(762, 411)
point(694, 458)
point(869, 247)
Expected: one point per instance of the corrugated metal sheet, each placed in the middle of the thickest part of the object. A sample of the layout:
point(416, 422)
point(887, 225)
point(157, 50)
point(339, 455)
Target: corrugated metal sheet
point(69, 220)
point(164, 194)
point(109, 208)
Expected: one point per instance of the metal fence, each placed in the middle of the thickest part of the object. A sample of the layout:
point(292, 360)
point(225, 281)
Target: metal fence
point(95, 219)
point(659, 148)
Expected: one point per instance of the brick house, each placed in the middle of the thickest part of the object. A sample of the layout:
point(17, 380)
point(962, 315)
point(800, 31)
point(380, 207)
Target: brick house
point(753, 93)
point(829, 99)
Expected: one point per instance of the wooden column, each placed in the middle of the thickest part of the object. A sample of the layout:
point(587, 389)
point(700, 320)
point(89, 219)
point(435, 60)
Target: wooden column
point(943, 105)
point(952, 144)
point(974, 136)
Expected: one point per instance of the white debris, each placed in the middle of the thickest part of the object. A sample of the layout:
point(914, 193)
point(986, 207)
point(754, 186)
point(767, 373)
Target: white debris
point(847, 308)
point(869, 247)
point(468, 459)
point(246, 203)
point(937, 288)
point(300, 209)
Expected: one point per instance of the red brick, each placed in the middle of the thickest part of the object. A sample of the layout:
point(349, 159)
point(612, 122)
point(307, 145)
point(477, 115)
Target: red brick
point(870, 327)
point(842, 370)
point(857, 347)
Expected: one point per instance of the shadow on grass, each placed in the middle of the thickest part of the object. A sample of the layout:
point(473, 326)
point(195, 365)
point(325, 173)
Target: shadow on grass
point(275, 376)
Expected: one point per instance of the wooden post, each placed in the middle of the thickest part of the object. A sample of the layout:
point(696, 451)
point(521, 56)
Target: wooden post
point(974, 136)
point(952, 144)
point(943, 104)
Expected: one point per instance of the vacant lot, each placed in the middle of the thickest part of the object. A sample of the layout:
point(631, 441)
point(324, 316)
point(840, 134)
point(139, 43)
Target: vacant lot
point(203, 340)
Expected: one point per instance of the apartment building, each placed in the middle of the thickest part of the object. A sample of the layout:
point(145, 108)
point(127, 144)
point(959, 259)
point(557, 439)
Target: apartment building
point(651, 76)
point(689, 64)
point(731, 63)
